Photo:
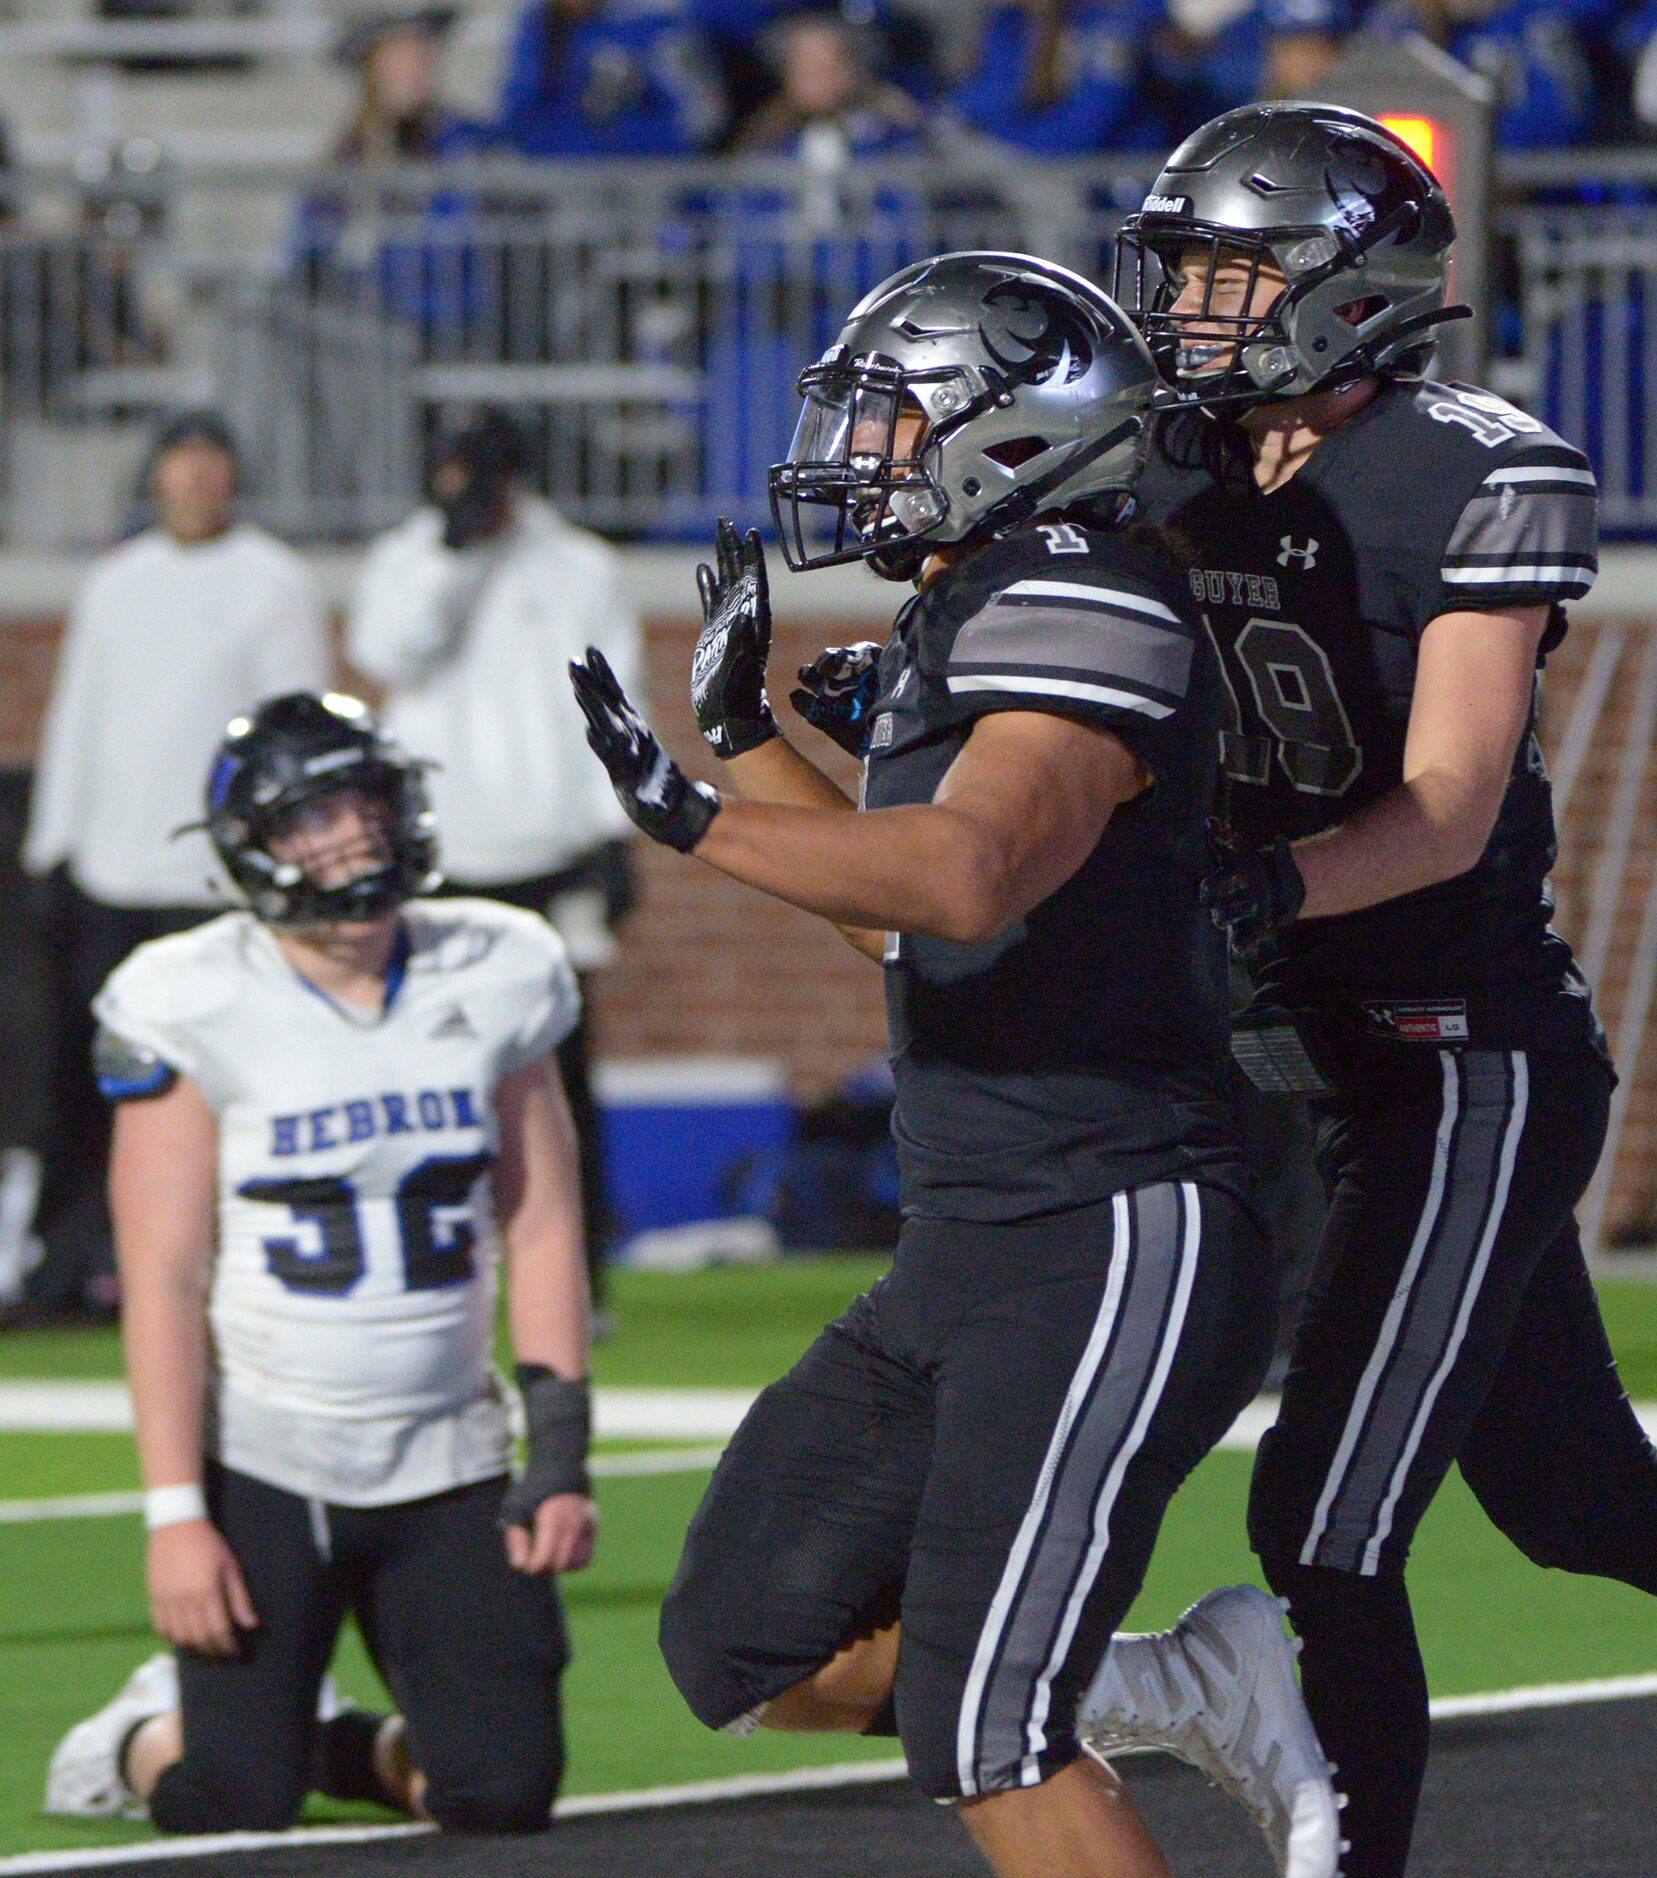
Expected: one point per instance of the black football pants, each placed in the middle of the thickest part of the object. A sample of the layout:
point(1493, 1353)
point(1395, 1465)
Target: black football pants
point(471, 1651)
point(1450, 1318)
point(982, 1446)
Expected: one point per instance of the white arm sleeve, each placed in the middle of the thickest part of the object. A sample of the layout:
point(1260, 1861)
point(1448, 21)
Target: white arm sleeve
point(411, 606)
point(57, 802)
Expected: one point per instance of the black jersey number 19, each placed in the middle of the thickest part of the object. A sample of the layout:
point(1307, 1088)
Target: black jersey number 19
point(1287, 714)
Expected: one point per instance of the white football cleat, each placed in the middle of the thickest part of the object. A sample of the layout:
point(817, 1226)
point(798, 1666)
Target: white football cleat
point(1219, 1691)
point(84, 1780)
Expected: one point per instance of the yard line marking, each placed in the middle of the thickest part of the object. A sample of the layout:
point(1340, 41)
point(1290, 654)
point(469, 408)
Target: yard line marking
point(692, 1793)
point(647, 1461)
point(81, 1407)
point(1544, 1695)
point(735, 1787)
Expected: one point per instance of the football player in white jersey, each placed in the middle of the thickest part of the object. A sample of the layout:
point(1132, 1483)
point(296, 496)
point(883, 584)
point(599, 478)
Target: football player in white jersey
point(332, 1106)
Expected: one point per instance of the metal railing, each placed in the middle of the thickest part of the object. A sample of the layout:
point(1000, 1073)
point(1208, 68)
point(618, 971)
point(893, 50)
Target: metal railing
point(647, 321)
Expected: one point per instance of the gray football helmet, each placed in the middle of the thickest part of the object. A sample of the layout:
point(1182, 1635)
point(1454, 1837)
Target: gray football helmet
point(1035, 389)
point(1359, 228)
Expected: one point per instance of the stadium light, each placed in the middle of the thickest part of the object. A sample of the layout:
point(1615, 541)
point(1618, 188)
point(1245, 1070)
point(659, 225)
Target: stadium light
point(1422, 135)
point(1446, 115)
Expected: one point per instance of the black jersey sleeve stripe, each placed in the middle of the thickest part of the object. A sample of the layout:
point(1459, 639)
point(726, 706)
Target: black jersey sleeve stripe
point(1082, 674)
point(1554, 455)
point(1026, 686)
point(1085, 641)
point(1113, 598)
point(1587, 563)
point(1514, 534)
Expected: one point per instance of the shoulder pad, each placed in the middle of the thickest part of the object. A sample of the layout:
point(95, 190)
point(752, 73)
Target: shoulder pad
point(126, 1071)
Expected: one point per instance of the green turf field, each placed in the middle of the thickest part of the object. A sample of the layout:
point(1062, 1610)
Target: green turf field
point(72, 1618)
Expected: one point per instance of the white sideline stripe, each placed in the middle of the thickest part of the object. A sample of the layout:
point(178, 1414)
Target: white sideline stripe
point(1242, 1438)
point(739, 1787)
point(1543, 1695)
point(647, 1461)
point(646, 1799)
point(618, 1414)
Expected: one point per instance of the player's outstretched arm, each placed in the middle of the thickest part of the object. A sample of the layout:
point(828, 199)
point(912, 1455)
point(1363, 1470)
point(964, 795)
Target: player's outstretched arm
point(1471, 704)
point(548, 1515)
point(1019, 810)
point(162, 1186)
point(1016, 814)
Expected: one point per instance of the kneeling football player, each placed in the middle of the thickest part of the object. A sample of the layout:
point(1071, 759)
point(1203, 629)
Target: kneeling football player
point(935, 1522)
point(330, 1105)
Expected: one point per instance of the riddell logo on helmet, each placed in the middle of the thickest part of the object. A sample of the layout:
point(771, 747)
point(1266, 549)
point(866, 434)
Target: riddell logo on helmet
point(1167, 205)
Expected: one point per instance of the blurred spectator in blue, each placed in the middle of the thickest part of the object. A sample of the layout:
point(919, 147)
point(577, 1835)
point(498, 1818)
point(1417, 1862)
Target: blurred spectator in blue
point(1061, 77)
point(904, 43)
point(400, 116)
point(424, 273)
point(829, 107)
point(805, 245)
point(609, 78)
point(1532, 51)
point(1206, 56)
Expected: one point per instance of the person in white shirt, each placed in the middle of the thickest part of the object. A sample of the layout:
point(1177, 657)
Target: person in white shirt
point(171, 633)
point(333, 1109)
point(468, 614)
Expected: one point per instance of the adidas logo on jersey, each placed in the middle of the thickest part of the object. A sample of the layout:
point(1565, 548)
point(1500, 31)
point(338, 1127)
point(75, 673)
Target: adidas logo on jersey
point(455, 1024)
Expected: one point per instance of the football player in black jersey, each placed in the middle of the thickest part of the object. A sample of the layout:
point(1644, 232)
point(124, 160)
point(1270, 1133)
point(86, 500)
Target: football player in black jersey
point(1381, 562)
point(937, 1519)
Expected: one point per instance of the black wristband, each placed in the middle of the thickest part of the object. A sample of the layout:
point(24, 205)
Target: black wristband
point(1288, 884)
point(558, 1427)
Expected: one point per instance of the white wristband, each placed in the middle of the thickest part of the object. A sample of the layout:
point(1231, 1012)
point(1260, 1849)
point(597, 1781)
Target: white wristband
point(171, 1506)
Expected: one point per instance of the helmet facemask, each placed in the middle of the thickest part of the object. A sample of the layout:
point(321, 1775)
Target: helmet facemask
point(1323, 200)
point(844, 464)
point(964, 396)
point(267, 813)
point(332, 874)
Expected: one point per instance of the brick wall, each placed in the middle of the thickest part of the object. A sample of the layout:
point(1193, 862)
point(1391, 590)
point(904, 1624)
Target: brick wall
point(708, 966)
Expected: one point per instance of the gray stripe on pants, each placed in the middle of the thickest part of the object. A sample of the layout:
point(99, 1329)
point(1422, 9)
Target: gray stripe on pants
point(1487, 1093)
point(1156, 1238)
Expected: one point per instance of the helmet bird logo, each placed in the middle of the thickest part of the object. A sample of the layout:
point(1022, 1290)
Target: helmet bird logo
point(1036, 337)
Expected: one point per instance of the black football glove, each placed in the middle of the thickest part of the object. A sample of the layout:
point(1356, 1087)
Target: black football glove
point(1254, 894)
point(837, 692)
point(727, 674)
point(557, 1426)
point(658, 796)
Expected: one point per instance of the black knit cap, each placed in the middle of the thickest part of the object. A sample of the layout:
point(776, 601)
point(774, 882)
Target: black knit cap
point(483, 438)
point(197, 426)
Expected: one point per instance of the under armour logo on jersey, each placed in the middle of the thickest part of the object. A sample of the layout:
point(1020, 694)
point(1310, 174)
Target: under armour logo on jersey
point(456, 1024)
point(1288, 555)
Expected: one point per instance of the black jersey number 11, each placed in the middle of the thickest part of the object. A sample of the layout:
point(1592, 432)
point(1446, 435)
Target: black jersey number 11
point(1287, 714)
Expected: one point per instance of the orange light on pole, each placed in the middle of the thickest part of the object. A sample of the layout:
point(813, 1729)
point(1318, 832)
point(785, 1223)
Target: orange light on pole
point(1421, 134)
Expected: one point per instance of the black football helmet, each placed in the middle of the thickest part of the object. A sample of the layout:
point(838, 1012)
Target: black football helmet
point(288, 753)
point(1035, 388)
point(1356, 224)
